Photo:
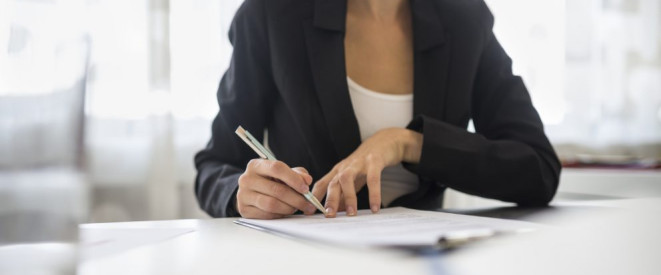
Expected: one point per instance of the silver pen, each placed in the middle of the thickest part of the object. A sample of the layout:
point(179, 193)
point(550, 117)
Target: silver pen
point(266, 154)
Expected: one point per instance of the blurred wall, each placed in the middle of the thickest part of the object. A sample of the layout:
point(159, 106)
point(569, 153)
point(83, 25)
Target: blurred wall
point(150, 70)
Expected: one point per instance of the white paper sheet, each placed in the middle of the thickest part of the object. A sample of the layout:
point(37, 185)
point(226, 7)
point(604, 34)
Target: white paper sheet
point(390, 227)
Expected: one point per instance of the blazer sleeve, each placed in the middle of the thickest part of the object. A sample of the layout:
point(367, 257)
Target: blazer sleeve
point(243, 93)
point(509, 158)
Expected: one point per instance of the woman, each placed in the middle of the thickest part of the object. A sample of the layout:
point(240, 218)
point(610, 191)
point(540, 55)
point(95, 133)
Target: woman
point(373, 98)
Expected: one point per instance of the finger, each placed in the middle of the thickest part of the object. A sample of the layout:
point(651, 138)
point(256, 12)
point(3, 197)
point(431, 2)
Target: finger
point(252, 212)
point(301, 170)
point(279, 170)
point(283, 193)
point(320, 187)
point(333, 198)
point(270, 204)
point(304, 173)
point(347, 178)
point(374, 187)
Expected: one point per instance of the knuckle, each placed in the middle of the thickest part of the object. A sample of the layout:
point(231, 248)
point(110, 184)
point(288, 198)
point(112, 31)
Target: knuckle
point(277, 166)
point(253, 163)
point(374, 159)
point(346, 176)
point(333, 184)
point(302, 170)
point(243, 179)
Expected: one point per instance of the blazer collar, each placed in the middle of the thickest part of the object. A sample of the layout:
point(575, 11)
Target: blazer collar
point(427, 24)
point(330, 14)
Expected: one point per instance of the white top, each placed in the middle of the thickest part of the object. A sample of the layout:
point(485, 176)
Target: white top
point(375, 111)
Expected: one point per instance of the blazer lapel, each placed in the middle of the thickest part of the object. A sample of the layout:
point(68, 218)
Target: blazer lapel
point(325, 46)
point(431, 60)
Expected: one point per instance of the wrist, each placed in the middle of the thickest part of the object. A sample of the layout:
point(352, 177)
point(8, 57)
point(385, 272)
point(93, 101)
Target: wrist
point(411, 144)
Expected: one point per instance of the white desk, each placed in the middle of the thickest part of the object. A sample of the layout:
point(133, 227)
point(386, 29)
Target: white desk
point(602, 237)
point(582, 184)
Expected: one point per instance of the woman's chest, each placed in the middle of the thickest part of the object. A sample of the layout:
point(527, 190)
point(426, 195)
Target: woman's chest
point(380, 59)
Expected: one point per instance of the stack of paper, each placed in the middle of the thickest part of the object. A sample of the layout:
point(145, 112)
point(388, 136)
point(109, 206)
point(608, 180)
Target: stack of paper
point(398, 227)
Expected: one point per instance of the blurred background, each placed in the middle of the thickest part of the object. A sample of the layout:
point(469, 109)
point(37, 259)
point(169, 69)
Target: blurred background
point(103, 103)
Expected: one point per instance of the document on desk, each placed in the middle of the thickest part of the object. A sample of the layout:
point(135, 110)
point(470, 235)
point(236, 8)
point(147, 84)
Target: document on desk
point(391, 227)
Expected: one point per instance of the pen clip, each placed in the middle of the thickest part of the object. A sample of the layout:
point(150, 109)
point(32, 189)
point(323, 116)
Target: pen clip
point(253, 143)
point(261, 147)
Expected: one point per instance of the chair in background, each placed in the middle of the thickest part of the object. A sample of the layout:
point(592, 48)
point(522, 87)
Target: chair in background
point(43, 189)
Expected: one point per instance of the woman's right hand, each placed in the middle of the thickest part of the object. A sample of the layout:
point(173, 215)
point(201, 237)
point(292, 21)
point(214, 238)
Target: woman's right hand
point(269, 189)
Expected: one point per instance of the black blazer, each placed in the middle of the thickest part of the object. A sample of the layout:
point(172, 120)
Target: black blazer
point(288, 75)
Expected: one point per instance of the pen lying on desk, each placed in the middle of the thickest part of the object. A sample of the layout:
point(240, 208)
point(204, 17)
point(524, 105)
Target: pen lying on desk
point(266, 154)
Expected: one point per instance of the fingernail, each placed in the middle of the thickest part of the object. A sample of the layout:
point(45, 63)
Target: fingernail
point(375, 208)
point(351, 211)
point(329, 211)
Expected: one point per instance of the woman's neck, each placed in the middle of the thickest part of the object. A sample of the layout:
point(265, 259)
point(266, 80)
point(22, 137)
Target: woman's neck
point(381, 10)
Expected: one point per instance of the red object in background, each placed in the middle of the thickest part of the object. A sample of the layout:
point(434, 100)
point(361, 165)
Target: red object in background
point(611, 162)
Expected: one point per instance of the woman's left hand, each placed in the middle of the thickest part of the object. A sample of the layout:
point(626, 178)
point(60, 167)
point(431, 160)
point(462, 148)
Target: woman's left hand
point(385, 148)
